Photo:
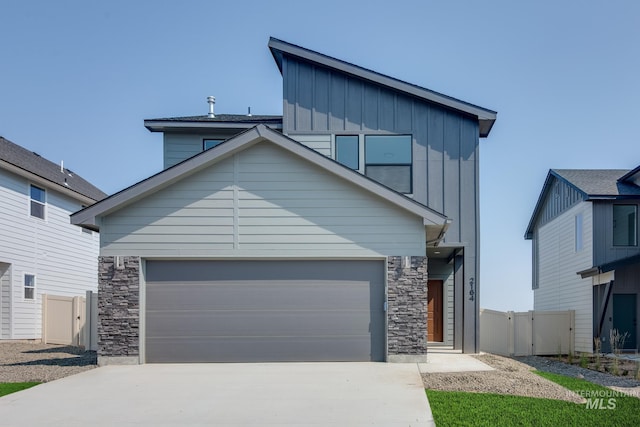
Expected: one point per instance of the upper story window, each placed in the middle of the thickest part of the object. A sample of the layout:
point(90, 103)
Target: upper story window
point(347, 151)
point(625, 219)
point(29, 287)
point(37, 202)
point(388, 160)
point(579, 235)
point(210, 143)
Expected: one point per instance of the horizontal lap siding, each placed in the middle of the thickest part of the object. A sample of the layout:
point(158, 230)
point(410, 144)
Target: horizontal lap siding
point(265, 202)
point(59, 254)
point(560, 287)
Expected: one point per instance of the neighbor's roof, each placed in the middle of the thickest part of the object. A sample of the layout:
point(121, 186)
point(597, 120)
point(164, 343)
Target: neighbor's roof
point(31, 165)
point(88, 216)
point(593, 184)
point(486, 118)
point(219, 121)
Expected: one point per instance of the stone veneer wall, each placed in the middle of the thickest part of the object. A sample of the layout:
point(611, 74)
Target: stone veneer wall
point(407, 307)
point(118, 307)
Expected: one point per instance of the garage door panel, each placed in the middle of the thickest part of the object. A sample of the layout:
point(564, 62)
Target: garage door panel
point(259, 323)
point(251, 311)
point(260, 349)
point(243, 295)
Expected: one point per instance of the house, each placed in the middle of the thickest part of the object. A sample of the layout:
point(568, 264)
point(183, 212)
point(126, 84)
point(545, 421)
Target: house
point(41, 252)
point(345, 229)
point(584, 232)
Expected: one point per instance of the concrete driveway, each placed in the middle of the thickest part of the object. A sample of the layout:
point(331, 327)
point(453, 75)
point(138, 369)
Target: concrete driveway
point(300, 394)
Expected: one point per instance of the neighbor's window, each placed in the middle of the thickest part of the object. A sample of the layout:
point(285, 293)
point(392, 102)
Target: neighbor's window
point(347, 151)
point(625, 218)
point(388, 160)
point(578, 227)
point(29, 286)
point(210, 143)
point(37, 202)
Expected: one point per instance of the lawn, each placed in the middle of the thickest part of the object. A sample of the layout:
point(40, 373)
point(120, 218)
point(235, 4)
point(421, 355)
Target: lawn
point(8, 388)
point(484, 409)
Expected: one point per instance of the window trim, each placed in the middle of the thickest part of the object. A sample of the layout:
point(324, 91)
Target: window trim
point(25, 287)
point(613, 225)
point(43, 204)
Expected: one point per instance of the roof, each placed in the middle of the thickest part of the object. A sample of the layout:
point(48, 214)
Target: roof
point(219, 121)
point(609, 266)
point(88, 217)
point(486, 118)
point(593, 184)
point(597, 183)
point(31, 165)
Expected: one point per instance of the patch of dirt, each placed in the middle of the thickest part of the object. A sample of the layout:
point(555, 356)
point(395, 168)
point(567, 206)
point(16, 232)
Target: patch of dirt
point(23, 361)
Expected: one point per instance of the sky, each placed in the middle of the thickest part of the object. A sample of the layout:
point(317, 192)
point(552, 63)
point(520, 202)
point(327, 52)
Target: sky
point(77, 79)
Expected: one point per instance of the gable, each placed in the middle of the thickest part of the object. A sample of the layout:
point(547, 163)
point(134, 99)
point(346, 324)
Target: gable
point(262, 201)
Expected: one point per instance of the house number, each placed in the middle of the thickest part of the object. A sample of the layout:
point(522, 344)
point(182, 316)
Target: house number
point(472, 293)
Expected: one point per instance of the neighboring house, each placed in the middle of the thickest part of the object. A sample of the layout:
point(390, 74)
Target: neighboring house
point(41, 252)
point(586, 257)
point(309, 236)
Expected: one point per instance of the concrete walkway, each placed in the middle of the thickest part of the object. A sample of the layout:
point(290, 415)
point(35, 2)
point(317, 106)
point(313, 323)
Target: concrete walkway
point(284, 394)
point(452, 361)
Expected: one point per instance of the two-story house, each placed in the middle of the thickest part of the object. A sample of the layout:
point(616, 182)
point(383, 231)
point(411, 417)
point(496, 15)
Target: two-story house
point(584, 232)
point(345, 229)
point(41, 252)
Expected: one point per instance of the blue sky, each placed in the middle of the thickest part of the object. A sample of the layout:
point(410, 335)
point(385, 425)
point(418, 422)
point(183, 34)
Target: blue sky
point(77, 79)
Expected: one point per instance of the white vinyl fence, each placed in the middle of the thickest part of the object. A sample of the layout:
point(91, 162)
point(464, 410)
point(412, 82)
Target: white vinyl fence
point(527, 333)
point(70, 320)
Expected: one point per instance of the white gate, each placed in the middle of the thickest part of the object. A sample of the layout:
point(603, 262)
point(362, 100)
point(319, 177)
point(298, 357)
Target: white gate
point(527, 333)
point(70, 320)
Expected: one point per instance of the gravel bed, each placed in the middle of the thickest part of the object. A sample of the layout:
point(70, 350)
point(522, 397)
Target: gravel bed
point(22, 361)
point(510, 377)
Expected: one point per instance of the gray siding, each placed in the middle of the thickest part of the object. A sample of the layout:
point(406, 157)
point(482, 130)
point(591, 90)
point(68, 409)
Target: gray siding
point(180, 146)
point(262, 202)
point(445, 149)
point(603, 249)
point(559, 198)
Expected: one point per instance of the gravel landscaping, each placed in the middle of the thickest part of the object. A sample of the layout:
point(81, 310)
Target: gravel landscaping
point(514, 376)
point(22, 361)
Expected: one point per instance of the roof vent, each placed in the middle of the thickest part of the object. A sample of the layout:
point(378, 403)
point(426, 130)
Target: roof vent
point(211, 100)
point(62, 166)
point(249, 112)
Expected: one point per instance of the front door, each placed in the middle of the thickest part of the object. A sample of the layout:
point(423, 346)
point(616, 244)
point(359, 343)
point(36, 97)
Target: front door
point(434, 311)
point(624, 318)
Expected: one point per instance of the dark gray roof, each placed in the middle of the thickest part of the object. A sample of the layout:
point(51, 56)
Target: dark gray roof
point(486, 118)
point(598, 182)
point(35, 164)
point(220, 121)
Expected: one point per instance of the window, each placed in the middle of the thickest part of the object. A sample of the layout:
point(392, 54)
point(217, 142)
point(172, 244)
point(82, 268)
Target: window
point(210, 143)
point(624, 225)
point(29, 286)
point(37, 202)
point(388, 160)
point(578, 228)
point(347, 149)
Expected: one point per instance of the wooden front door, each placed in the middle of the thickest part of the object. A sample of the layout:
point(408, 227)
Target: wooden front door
point(434, 311)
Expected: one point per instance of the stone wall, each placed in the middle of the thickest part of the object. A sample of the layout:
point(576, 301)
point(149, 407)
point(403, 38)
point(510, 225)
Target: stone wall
point(407, 308)
point(118, 307)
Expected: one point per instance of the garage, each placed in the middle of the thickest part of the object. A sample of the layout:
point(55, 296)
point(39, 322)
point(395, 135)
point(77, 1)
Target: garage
point(264, 311)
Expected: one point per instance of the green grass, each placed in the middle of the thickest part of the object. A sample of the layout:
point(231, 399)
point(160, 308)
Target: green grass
point(484, 409)
point(8, 388)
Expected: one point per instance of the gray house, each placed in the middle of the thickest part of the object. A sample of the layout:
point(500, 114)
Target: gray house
point(345, 229)
point(586, 258)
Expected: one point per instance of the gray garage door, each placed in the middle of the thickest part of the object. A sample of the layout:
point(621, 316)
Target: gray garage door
point(261, 311)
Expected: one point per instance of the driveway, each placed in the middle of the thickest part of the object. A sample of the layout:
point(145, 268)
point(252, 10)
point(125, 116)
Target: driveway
point(300, 394)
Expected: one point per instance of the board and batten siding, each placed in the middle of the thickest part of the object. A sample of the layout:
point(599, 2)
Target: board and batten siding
point(262, 202)
point(560, 288)
point(61, 256)
point(604, 251)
